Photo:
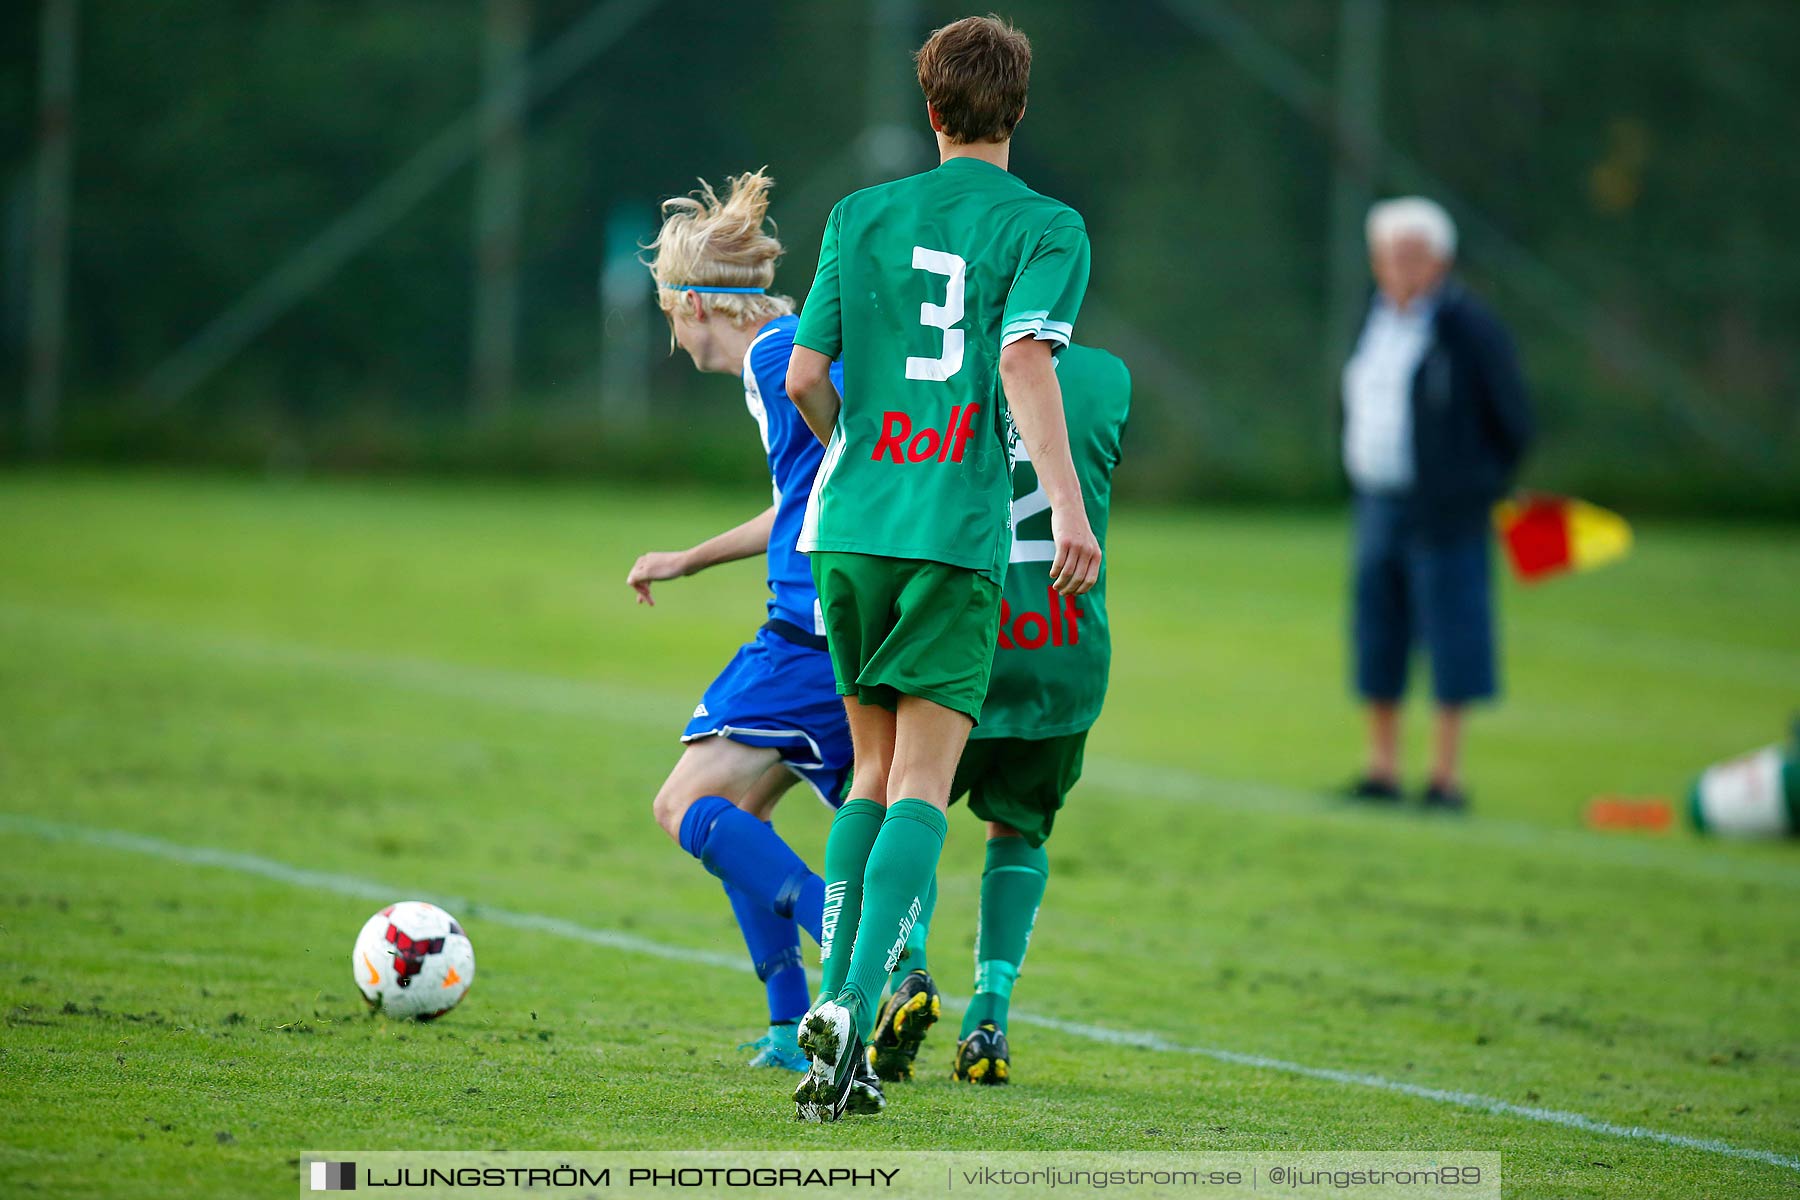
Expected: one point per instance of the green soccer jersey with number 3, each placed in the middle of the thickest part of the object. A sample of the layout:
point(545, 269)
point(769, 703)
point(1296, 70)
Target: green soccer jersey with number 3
point(1051, 664)
point(920, 284)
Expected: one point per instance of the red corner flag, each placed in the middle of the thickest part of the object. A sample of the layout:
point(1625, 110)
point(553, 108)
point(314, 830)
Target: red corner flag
point(1547, 535)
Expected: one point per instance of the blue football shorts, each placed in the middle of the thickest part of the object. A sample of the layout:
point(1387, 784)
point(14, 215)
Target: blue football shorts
point(780, 694)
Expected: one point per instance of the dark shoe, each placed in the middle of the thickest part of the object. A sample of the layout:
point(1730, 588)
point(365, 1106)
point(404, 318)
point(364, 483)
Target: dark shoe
point(909, 1013)
point(1439, 798)
point(1371, 790)
point(983, 1057)
point(865, 1092)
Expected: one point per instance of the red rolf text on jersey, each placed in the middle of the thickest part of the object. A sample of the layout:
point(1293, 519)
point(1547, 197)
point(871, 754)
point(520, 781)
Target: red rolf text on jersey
point(900, 444)
point(1059, 626)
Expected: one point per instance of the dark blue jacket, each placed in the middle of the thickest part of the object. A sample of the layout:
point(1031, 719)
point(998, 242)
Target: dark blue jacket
point(1471, 420)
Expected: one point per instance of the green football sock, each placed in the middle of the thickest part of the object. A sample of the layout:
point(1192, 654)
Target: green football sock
point(913, 959)
point(853, 833)
point(901, 868)
point(1012, 887)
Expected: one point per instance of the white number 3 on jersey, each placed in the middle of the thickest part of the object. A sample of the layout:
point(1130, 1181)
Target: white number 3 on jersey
point(940, 316)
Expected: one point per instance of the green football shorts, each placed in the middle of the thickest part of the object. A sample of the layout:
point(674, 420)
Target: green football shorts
point(908, 627)
point(1020, 782)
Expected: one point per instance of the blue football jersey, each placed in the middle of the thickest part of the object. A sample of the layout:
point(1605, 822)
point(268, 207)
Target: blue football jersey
point(794, 455)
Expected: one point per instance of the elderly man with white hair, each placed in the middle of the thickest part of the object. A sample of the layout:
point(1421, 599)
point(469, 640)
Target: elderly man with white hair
point(1436, 423)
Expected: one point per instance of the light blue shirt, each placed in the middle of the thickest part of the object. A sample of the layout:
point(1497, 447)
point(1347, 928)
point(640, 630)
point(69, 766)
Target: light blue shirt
point(1378, 448)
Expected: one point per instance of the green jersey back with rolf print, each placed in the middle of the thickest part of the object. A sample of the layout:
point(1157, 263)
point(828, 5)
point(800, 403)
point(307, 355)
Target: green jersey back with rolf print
point(1050, 667)
point(921, 282)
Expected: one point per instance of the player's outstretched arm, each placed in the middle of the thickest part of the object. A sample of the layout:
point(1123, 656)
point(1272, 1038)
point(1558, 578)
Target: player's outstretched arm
point(741, 541)
point(1028, 373)
point(809, 386)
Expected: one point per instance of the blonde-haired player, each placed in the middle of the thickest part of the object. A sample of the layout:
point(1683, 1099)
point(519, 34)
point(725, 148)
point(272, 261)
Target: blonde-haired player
point(727, 241)
point(773, 714)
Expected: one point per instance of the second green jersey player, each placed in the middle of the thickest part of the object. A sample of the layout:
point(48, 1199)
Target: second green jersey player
point(946, 295)
point(1050, 671)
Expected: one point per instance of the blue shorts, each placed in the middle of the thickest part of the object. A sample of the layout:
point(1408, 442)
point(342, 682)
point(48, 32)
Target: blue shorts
point(1411, 588)
point(779, 694)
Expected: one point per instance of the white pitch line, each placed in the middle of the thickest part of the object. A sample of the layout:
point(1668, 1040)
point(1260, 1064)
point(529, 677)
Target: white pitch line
point(349, 885)
point(365, 889)
point(1480, 1103)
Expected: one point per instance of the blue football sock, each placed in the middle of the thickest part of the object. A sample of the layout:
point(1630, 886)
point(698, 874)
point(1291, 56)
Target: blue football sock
point(749, 855)
point(774, 945)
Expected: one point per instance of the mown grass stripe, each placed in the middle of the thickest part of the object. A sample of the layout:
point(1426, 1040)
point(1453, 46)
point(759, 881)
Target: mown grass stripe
point(576, 698)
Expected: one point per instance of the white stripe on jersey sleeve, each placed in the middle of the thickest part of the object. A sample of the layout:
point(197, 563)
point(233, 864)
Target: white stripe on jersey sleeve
point(1036, 324)
point(1043, 334)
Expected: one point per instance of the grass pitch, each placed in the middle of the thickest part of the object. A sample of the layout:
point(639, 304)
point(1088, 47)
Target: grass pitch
point(446, 690)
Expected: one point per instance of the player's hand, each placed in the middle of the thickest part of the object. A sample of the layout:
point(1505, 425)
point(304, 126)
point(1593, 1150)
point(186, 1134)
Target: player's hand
point(1076, 567)
point(653, 568)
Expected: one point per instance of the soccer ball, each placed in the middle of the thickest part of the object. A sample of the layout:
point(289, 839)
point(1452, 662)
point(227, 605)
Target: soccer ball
point(413, 960)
